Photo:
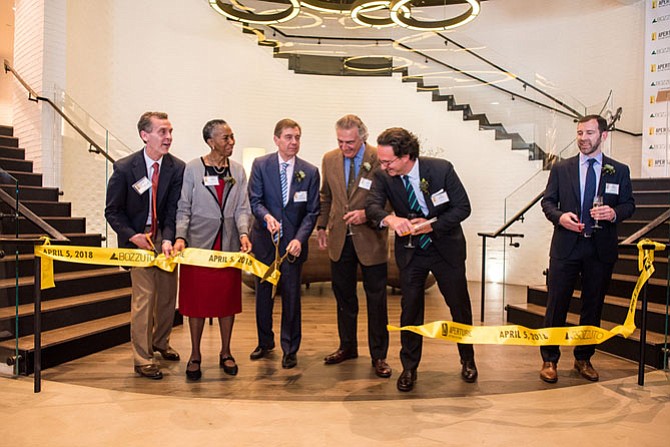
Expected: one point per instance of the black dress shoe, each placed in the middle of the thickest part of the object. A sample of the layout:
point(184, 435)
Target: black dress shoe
point(149, 371)
point(289, 361)
point(167, 354)
point(230, 370)
point(382, 369)
point(339, 356)
point(406, 380)
point(469, 371)
point(260, 352)
point(193, 374)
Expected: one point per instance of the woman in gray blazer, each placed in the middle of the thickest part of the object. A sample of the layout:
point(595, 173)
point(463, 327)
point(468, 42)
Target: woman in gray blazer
point(213, 213)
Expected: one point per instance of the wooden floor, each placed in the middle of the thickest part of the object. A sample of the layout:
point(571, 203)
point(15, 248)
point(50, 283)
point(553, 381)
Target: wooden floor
point(502, 369)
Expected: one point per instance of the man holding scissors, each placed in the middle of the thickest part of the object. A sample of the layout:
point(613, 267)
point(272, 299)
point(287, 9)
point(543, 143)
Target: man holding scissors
point(284, 198)
point(142, 196)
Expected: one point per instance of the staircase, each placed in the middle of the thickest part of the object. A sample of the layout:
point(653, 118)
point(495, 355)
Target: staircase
point(383, 66)
point(87, 311)
point(652, 198)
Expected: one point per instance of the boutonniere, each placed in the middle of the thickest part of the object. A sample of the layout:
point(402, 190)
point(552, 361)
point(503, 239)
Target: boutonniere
point(300, 176)
point(367, 166)
point(230, 180)
point(609, 169)
point(424, 185)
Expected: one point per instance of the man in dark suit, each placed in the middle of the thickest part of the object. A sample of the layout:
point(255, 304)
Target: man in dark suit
point(284, 199)
point(344, 230)
point(419, 189)
point(577, 248)
point(142, 196)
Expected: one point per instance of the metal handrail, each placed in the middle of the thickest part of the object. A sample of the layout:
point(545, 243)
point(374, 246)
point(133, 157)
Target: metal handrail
point(33, 96)
point(646, 229)
point(573, 113)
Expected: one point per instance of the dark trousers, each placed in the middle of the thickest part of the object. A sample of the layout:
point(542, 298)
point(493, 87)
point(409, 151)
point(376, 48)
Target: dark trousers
point(291, 329)
point(563, 274)
point(344, 280)
point(453, 285)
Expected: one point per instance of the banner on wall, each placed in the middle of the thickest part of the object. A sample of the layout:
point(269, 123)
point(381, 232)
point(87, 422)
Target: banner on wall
point(655, 148)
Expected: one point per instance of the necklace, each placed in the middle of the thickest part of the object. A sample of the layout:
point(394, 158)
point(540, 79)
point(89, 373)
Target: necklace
point(218, 170)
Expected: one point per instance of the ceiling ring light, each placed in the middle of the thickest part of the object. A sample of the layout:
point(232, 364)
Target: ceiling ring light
point(435, 25)
point(360, 7)
point(324, 6)
point(232, 13)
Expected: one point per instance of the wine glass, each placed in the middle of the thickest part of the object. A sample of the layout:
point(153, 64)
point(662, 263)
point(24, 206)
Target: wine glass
point(349, 231)
point(597, 201)
point(409, 243)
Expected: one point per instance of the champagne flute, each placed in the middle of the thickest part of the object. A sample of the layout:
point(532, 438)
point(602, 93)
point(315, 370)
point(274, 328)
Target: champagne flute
point(597, 201)
point(409, 243)
point(349, 231)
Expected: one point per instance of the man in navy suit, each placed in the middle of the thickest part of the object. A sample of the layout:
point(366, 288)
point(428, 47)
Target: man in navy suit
point(577, 248)
point(142, 196)
point(284, 198)
point(419, 189)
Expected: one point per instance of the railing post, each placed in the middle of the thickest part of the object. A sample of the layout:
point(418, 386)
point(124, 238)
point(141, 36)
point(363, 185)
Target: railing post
point(483, 293)
point(38, 327)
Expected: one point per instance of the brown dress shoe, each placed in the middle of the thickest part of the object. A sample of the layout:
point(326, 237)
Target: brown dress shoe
point(548, 372)
point(586, 370)
point(382, 369)
point(167, 354)
point(339, 356)
point(469, 371)
point(406, 380)
point(149, 371)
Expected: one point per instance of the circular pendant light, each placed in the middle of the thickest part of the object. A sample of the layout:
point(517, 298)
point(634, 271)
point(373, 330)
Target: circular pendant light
point(408, 21)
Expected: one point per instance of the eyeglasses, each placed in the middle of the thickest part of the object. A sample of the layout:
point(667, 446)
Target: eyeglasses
point(387, 163)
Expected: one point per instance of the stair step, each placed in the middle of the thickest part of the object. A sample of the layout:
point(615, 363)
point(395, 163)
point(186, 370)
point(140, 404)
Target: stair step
point(9, 141)
point(532, 316)
point(84, 239)
point(615, 308)
point(72, 342)
point(25, 178)
point(83, 282)
point(651, 184)
point(27, 266)
point(12, 164)
point(42, 208)
point(62, 224)
point(660, 196)
point(12, 152)
point(7, 131)
point(32, 192)
point(67, 311)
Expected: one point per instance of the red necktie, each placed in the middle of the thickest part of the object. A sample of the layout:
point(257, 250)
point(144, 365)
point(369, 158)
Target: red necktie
point(154, 192)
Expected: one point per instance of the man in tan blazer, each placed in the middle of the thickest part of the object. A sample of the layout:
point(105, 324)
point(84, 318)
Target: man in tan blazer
point(344, 230)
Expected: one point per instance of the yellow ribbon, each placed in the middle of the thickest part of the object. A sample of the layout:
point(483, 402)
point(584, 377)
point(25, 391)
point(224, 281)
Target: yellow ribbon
point(127, 257)
point(521, 335)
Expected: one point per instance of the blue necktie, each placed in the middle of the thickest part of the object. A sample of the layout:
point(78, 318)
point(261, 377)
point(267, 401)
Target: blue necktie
point(589, 194)
point(284, 183)
point(424, 239)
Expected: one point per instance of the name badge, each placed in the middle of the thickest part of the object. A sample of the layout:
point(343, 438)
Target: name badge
point(365, 183)
point(439, 197)
point(142, 185)
point(300, 196)
point(211, 180)
point(612, 188)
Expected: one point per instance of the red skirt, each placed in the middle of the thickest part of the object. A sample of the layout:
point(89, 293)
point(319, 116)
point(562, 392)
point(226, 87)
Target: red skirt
point(208, 292)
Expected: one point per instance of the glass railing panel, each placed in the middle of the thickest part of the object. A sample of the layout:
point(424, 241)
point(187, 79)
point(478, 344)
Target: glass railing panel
point(87, 192)
point(9, 295)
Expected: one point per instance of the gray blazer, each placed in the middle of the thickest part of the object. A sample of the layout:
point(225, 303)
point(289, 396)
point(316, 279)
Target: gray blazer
point(199, 214)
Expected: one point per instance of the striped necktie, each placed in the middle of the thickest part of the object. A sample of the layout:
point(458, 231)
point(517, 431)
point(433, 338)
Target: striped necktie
point(424, 239)
point(284, 183)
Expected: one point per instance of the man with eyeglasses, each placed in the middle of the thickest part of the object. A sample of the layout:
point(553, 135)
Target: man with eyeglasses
point(430, 203)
